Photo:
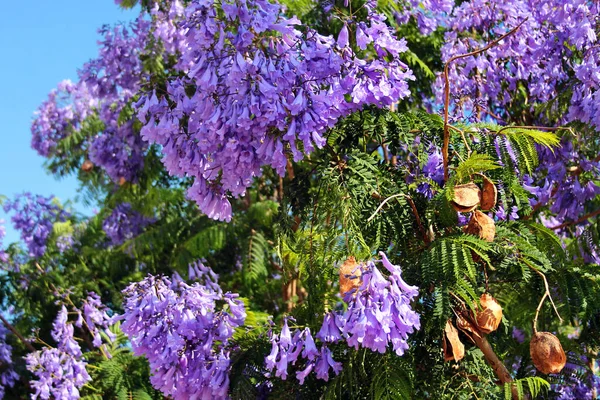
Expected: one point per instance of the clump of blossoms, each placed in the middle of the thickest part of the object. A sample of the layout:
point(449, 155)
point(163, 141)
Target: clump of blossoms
point(8, 376)
point(94, 315)
point(59, 372)
point(256, 88)
point(379, 314)
point(106, 85)
point(3, 254)
point(288, 348)
point(550, 32)
point(34, 217)
point(184, 333)
point(124, 223)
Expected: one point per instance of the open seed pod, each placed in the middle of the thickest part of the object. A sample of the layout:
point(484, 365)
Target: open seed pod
point(465, 323)
point(349, 276)
point(87, 166)
point(452, 346)
point(488, 319)
point(466, 197)
point(481, 225)
point(489, 194)
point(547, 353)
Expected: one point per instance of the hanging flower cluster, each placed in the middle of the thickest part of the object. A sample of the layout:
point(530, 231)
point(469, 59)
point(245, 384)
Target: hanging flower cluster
point(287, 349)
point(255, 87)
point(8, 376)
point(34, 217)
point(379, 314)
point(124, 223)
point(183, 333)
point(59, 372)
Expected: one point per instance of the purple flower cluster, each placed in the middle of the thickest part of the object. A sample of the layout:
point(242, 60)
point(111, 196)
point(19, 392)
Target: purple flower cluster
point(578, 382)
point(124, 223)
point(431, 172)
point(255, 87)
point(34, 217)
point(64, 110)
point(288, 348)
point(60, 372)
point(8, 376)
point(183, 333)
point(378, 314)
point(3, 254)
point(428, 14)
point(94, 315)
point(106, 84)
point(551, 32)
point(560, 185)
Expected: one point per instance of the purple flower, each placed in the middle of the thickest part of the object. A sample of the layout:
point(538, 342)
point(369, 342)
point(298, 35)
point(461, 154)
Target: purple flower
point(123, 224)
point(34, 217)
point(182, 332)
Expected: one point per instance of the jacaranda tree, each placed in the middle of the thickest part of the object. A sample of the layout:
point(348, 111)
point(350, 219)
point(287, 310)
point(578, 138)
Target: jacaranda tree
point(392, 199)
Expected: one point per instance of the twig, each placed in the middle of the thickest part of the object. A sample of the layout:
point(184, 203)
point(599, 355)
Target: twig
point(17, 334)
point(546, 294)
point(462, 134)
point(580, 220)
point(447, 91)
point(414, 210)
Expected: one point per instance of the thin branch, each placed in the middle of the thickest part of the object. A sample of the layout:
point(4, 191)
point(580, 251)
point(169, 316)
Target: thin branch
point(17, 334)
point(447, 91)
point(546, 294)
point(462, 134)
point(414, 210)
point(580, 220)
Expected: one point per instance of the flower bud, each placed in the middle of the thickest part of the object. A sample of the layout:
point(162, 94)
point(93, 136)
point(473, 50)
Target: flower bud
point(547, 353)
point(488, 319)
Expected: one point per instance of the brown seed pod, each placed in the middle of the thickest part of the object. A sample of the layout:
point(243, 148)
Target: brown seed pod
point(547, 353)
point(349, 276)
point(122, 181)
point(465, 324)
point(489, 194)
point(488, 319)
point(452, 346)
point(87, 166)
point(481, 225)
point(466, 197)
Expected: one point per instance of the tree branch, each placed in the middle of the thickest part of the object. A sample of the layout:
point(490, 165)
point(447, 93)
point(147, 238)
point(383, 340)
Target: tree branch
point(17, 334)
point(580, 220)
point(447, 91)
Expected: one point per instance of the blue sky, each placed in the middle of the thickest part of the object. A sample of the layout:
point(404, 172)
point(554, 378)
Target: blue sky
point(41, 43)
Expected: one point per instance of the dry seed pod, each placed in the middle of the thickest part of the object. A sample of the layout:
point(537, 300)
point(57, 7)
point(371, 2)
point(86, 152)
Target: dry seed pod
point(488, 319)
point(465, 325)
point(466, 197)
point(87, 166)
point(349, 276)
point(481, 225)
point(489, 194)
point(547, 353)
point(452, 346)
